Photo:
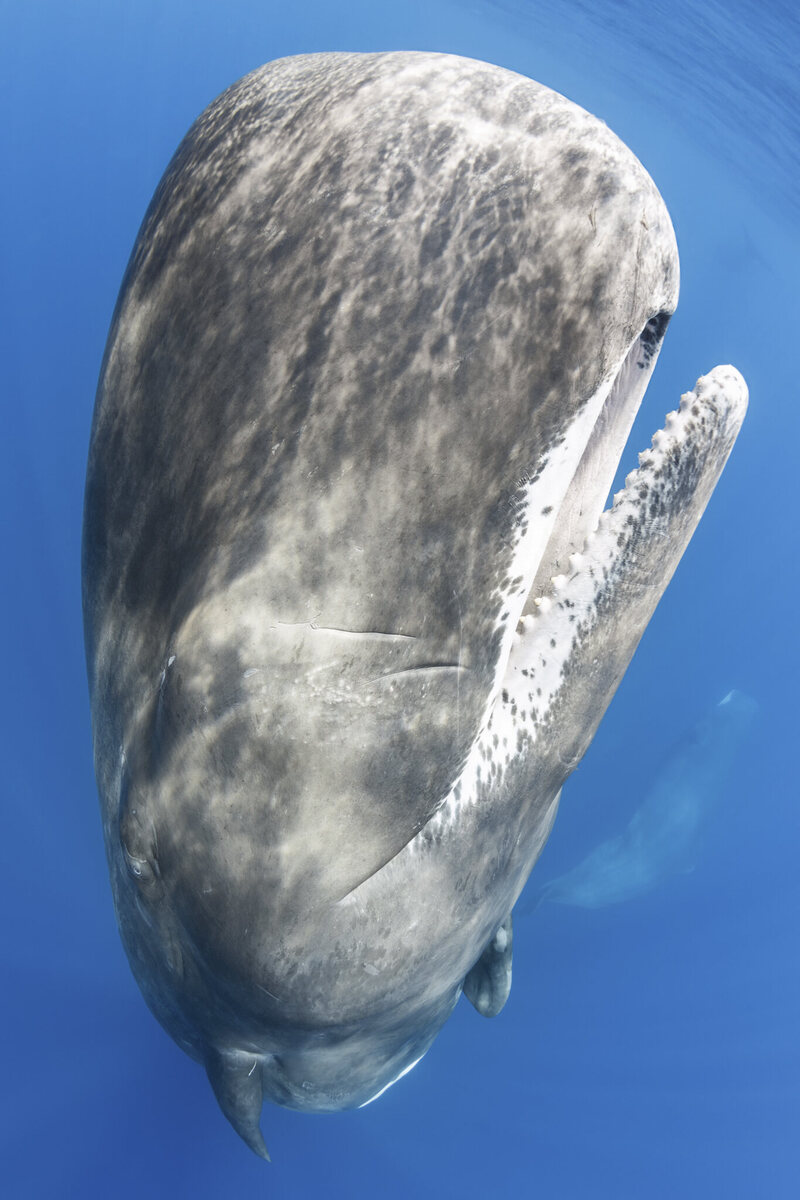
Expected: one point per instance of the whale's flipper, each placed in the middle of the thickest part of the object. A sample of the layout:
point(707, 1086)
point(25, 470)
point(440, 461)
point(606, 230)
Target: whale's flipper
point(235, 1077)
point(488, 984)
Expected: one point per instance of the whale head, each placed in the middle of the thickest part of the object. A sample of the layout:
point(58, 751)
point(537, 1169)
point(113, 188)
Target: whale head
point(354, 605)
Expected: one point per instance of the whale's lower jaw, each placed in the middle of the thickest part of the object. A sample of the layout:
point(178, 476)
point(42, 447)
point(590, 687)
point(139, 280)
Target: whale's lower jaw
point(573, 648)
point(572, 645)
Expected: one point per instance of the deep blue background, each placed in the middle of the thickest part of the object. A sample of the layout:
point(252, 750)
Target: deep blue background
point(650, 1050)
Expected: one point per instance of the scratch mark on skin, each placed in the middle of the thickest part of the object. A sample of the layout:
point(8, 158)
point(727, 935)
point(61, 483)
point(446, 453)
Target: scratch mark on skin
point(422, 667)
point(353, 633)
point(459, 668)
point(457, 362)
point(272, 995)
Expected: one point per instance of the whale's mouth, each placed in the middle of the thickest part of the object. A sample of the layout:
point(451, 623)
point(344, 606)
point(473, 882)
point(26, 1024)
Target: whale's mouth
point(576, 614)
point(605, 569)
point(579, 512)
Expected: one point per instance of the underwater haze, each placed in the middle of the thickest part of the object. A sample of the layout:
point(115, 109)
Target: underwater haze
point(651, 1044)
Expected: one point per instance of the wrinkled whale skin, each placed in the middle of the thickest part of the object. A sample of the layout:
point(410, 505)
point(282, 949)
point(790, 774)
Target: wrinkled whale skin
point(376, 353)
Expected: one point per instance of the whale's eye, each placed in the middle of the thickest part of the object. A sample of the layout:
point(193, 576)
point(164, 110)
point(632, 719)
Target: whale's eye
point(139, 868)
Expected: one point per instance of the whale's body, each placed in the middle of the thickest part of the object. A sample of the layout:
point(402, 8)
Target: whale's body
point(665, 833)
point(352, 612)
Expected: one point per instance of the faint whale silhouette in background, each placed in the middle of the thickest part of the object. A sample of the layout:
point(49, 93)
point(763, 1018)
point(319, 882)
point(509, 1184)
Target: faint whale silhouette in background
point(663, 836)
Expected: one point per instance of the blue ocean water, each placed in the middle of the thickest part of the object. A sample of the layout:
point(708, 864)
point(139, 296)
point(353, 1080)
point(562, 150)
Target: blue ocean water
point(650, 1049)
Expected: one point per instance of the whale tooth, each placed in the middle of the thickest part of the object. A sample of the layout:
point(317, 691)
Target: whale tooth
point(559, 582)
point(630, 478)
point(543, 604)
point(576, 562)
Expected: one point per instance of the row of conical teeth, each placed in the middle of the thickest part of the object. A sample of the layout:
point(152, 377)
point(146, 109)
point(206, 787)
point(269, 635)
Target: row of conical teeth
point(660, 441)
point(720, 397)
point(576, 562)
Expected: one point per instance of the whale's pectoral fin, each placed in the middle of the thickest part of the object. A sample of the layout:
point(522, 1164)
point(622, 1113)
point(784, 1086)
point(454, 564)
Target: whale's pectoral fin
point(235, 1076)
point(488, 984)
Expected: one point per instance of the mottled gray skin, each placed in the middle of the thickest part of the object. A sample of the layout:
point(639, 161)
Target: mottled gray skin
point(664, 834)
point(349, 424)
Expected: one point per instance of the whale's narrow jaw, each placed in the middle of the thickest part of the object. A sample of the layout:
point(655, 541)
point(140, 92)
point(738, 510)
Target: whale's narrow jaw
point(581, 593)
point(579, 629)
point(582, 621)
